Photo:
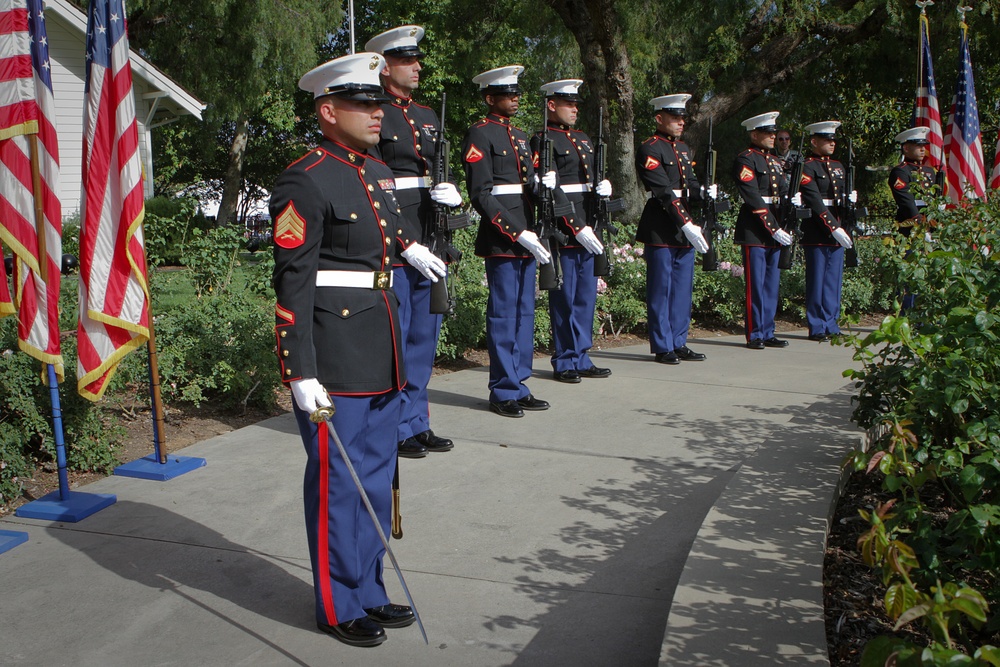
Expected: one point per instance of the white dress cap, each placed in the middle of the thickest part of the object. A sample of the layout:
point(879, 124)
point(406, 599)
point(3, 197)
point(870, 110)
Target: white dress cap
point(824, 128)
point(353, 77)
point(564, 88)
point(400, 42)
point(672, 104)
point(764, 122)
point(916, 135)
point(500, 80)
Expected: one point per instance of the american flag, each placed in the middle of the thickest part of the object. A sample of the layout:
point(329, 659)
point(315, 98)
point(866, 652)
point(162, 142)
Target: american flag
point(995, 174)
point(114, 298)
point(27, 125)
point(963, 144)
point(926, 112)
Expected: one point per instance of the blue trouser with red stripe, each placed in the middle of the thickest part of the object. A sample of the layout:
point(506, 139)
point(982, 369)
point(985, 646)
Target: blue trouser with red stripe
point(420, 335)
point(824, 278)
point(344, 547)
point(669, 283)
point(510, 325)
point(571, 310)
point(763, 277)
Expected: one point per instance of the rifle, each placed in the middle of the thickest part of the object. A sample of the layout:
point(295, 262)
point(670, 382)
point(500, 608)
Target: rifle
point(790, 213)
point(549, 275)
point(443, 292)
point(603, 206)
point(851, 212)
point(712, 208)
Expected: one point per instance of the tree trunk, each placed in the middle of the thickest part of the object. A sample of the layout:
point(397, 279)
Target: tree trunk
point(608, 76)
point(234, 174)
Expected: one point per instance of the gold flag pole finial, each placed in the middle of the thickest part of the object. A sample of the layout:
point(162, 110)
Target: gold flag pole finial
point(924, 4)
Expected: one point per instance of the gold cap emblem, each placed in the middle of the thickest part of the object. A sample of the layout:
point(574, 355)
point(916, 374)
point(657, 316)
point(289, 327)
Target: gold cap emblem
point(374, 63)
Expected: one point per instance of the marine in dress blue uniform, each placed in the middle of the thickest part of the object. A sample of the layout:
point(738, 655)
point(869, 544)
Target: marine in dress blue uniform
point(501, 179)
point(823, 237)
point(571, 308)
point(911, 171)
point(668, 231)
point(338, 331)
point(762, 183)
point(407, 145)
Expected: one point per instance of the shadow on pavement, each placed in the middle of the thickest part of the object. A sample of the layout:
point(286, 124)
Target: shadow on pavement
point(170, 552)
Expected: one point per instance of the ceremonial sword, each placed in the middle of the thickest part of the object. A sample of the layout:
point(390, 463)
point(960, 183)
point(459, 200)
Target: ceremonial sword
point(323, 414)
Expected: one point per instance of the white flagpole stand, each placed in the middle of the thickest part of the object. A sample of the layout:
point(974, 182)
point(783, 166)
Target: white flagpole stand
point(63, 504)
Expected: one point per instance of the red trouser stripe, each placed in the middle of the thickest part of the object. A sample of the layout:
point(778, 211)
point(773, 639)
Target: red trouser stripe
point(323, 524)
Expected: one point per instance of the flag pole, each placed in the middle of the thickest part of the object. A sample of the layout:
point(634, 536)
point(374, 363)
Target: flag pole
point(61, 505)
point(43, 274)
point(159, 427)
point(350, 18)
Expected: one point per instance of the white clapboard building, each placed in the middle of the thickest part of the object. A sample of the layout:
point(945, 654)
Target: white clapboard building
point(158, 99)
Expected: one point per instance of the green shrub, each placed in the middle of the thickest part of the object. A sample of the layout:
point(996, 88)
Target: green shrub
point(91, 435)
point(929, 389)
point(167, 226)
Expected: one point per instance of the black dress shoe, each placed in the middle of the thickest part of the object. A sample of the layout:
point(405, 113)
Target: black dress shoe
point(433, 443)
point(684, 353)
point(571, 376)
point(755, 344)
point(775, 342)
point(594, 372)
point(411, 449)
point(359, 632)
point(392, 615)
point(667, 358)
point(529, 402)
point(819, 338)
point(507, 409)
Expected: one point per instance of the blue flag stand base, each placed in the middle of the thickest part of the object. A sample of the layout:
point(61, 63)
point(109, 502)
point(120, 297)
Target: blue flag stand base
point(149, 467)
point(71, 506)
point(11, 538)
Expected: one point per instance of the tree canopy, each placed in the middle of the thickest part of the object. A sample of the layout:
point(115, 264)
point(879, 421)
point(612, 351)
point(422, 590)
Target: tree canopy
point(851, 60)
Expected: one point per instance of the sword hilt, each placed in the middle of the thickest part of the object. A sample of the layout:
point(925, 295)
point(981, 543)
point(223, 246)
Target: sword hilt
point(321, 414)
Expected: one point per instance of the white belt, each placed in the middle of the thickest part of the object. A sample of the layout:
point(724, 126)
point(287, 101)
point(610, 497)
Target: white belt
point(680, 193)
point(410, 182)
point(571, 188)
point(828, 202)
point(920, 202)
point(771, 200)
point(380, 280)
point(512, 189)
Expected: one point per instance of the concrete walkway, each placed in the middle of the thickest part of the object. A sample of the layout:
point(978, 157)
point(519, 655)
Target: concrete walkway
point(667, 514)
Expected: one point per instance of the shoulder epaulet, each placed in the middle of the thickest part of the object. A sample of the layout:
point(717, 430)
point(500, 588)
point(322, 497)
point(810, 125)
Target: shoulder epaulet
point(418, 104)
point(481, 122)
point(652, 140)
point(315, 153)
point(746, 151)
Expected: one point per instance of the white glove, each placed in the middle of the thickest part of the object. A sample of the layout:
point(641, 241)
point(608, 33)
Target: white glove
point(447, 194)
point(853, 197)
point(424, 261)
point(310, 395)
point(843, 238)
point(695, 237)
point(796, 200)
point(548, 179)
point(782, 237)
point(712, 191)
point(530, 241)
point(603, 188)
point(588, 239)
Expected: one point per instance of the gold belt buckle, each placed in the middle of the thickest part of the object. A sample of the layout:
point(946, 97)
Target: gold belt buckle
point(382, 280)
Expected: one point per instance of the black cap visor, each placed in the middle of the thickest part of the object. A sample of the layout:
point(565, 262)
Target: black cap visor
point(359, 92)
